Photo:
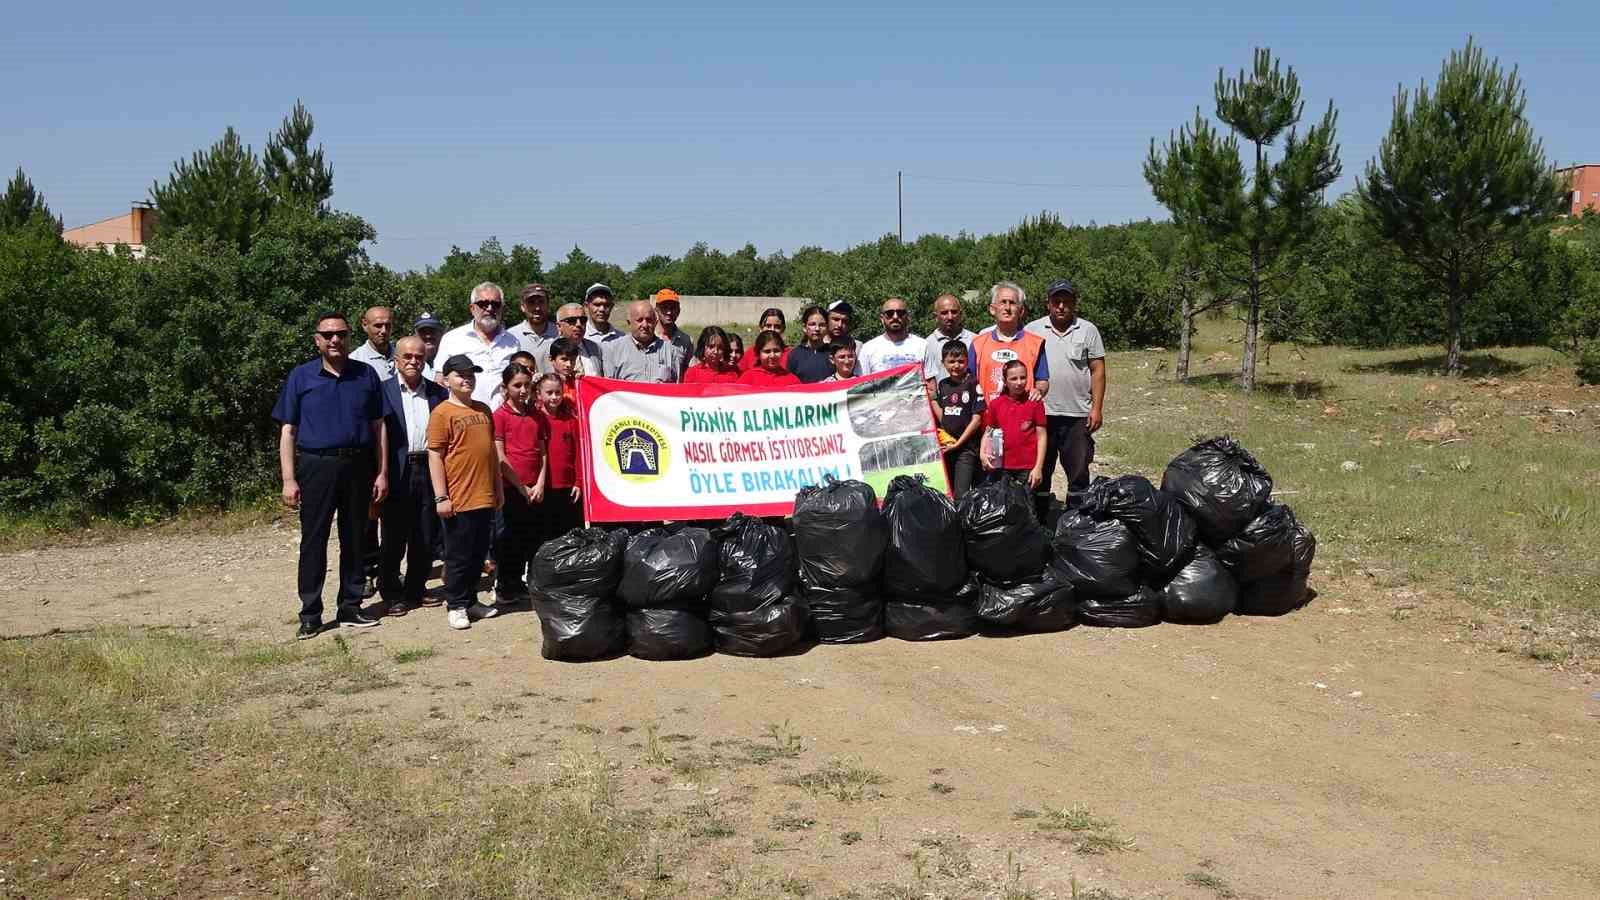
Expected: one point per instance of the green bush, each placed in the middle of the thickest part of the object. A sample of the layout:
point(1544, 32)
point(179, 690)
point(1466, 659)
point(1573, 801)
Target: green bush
point(1589, 363)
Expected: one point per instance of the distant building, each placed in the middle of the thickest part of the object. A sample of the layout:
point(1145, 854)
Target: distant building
point(133, 228)
point(1585, 192)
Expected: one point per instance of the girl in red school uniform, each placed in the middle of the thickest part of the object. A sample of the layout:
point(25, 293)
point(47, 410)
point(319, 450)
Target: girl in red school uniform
point(711, 360)
point(769, 370)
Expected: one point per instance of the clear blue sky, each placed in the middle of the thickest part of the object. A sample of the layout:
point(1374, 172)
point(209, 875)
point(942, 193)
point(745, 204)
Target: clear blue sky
point(632, 131)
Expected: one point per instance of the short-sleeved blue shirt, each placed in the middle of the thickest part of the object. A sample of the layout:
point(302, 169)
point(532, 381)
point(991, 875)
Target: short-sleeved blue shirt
point(330, 412)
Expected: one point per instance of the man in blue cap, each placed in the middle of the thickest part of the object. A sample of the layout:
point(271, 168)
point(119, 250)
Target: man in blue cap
point(430, 330)
point(1073, 406)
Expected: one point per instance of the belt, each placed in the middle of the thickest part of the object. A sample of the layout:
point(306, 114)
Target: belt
point(341, 452)
point(418, 456)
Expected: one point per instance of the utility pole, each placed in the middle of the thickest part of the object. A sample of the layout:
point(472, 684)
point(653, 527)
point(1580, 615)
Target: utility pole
point(900, 194)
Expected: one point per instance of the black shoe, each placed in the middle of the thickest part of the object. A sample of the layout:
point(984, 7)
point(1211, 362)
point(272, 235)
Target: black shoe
point(477, 612)
point(397, 608)
point(308, 630)
point(359, 620)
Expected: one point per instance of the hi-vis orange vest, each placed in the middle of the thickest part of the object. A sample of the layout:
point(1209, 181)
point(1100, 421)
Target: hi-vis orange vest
point(990, 352)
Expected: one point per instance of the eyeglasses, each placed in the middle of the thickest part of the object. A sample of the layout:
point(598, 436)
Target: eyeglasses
point(330, 335)
point(572, 320)
point(894, 314)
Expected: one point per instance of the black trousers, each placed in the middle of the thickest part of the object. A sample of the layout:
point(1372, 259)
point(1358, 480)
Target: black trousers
point(410, 530)
point(467, 536)
point(962, 466)
point(519, 531)
point(561, 512)
point(1067, 440)
point(332, 486)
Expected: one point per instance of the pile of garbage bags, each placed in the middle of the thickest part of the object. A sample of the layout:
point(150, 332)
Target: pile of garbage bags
point(1209, 542)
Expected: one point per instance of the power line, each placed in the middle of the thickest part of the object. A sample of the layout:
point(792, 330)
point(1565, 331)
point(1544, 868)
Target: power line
point(959, 179)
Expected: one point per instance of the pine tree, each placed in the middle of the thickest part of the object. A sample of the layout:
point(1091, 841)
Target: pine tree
point(294, 172)
point(1460, 182)
point(1248, 220)
point(219, 193)
point(23, 205)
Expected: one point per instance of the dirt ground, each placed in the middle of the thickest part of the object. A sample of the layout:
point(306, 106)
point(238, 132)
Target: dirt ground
point(1348, 750)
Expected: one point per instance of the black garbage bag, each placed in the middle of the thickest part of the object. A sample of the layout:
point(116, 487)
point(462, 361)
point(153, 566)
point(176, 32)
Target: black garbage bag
point(756, 565)
point(667, 633)
point(844, 615)
point(1203, 591)
point(1285, 590)
point(584, 561)
point(1136, 610)
point(1035, 604)
point(839, 533)
point(1004, 540)
point(925, 554)
point(1165, 530)
point(912, 621)
point(766, 630)
point(1095, 555)
point(1221, 484)
point(576, 626)
point(668, 568)
point(1265, 546)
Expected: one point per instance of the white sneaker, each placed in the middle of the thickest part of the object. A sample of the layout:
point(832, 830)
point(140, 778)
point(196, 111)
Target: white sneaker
point(457, 619)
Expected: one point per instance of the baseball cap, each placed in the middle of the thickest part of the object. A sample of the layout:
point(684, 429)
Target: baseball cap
point(597, 288)
point(1061, 286)
point(535, 290)
point(667, 295)
point(427, 320)
point(842, 306)
point(460, 363)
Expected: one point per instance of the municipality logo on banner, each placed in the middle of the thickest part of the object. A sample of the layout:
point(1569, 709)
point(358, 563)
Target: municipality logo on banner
point(694, 451)
point(636, 450)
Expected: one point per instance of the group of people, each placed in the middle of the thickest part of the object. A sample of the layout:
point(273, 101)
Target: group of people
point(465, 441)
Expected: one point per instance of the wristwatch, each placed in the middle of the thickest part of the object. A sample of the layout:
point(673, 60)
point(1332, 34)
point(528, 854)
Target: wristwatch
point(441, 498)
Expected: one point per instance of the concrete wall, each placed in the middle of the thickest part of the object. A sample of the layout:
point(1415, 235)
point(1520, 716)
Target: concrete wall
point(702, 310)
point(1585, 188)
point(132, 228)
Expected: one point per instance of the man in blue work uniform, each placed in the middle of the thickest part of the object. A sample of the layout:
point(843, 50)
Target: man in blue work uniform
point(334, 459)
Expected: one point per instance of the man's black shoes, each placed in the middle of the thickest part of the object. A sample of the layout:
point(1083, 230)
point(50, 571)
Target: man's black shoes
point(357, 620)
point(308, 630)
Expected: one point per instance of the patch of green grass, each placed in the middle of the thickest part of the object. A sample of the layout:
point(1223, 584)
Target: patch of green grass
point(1086, 832)
point(1502, 517)
point(1211, 883)
point(229, 800)
point(845, 780)
point(1081, 893)
point(781, 743)
point(414, 654)
point(792, 823)
point(1023, 812)
point(850, 837)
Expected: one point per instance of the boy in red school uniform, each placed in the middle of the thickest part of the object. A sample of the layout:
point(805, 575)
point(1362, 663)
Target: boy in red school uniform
point(561, 495)
point(565, 364)
point(1020, 422)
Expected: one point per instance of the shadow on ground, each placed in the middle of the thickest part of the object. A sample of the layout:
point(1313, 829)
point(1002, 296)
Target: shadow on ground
point(1474, 365)
point(1290, 388)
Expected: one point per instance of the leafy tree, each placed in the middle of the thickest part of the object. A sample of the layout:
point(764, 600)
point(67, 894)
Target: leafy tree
point(1248, 220)
point(568, 279)
point(1460, 183)
point(219, 193)
point(293, 171)
point(23, 205)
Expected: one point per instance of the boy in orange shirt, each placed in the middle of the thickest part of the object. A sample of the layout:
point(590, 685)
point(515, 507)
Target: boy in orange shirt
point(466, 486)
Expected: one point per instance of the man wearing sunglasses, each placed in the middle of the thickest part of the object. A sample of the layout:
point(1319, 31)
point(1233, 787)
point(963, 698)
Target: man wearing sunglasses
point(571, 323)
point(333, 456)
point(483, 340)
point(897, 346)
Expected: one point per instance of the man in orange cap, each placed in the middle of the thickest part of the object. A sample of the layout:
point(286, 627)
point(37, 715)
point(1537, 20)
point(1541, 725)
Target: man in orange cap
point(667, 309)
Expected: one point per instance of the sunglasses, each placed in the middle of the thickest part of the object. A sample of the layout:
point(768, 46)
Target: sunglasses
point(572, 320)
point(488, 304)
point(894, 314)
point(330, 335)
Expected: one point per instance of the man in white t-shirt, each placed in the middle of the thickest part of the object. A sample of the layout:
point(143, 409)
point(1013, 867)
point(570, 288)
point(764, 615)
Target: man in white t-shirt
point(897, 346)
point(490, 346)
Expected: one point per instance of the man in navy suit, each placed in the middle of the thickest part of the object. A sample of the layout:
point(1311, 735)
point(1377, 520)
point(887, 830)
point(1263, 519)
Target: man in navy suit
point(410, 525)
